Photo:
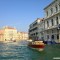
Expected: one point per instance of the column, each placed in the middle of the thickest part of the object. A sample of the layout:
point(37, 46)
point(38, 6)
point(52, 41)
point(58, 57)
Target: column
point(59, 18)
point(55, 37)
point(54, 20)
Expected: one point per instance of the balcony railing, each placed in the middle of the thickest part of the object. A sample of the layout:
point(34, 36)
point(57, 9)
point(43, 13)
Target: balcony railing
point(52, 15)
point(51, 27)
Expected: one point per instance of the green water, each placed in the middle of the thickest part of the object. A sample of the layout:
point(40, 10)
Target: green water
point(18, 52)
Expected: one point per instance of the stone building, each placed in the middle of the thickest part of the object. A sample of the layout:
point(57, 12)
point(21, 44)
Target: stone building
point(22, 36)
point(34, 29)
point(1, 35)
point(41, 29)
point(52, 22)
point(10, 33)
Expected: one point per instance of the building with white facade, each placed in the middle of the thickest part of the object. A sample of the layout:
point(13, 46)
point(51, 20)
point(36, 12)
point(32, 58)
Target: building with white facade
point(52, 22)
point(34, 29)
point(41, 29)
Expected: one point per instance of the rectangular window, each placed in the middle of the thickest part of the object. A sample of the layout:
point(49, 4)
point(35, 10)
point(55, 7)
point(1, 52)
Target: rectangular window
point(57, 20)
point(47, 37)
point(52, 37)
point(36, 33)
point(47, 24)
point(59, 6)
point(51, 10)
point(56, 8)
point(47, 13)
point(52, 22)
point(57, 31)
point(57, 36)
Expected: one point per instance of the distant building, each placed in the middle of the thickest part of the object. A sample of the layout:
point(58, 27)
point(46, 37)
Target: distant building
point(22, 36)
point(1, 35)
point(52, 22)
point(10, 33)
point(35, 29)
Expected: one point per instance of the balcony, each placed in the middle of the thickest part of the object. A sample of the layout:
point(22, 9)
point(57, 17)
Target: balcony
point(41, 30)
point(52, 27)
point(52, 15)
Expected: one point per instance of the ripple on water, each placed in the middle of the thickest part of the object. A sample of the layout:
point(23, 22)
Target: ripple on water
point(19, 52)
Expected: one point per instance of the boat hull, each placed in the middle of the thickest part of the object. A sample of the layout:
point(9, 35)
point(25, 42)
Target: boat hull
point(37, 47)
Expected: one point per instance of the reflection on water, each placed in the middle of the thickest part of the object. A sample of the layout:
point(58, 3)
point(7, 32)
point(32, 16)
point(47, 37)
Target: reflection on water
point(18, 52)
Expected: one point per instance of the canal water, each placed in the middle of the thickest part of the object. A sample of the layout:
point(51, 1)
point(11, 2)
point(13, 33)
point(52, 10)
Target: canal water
point(17, 51)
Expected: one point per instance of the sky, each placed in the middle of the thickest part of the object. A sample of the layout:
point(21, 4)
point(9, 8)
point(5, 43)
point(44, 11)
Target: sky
point(21, 13)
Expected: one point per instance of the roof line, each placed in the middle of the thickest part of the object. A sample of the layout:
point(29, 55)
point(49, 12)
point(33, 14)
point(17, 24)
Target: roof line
point(50, 4)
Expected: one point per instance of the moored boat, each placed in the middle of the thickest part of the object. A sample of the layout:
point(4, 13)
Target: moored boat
point(38, 45)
